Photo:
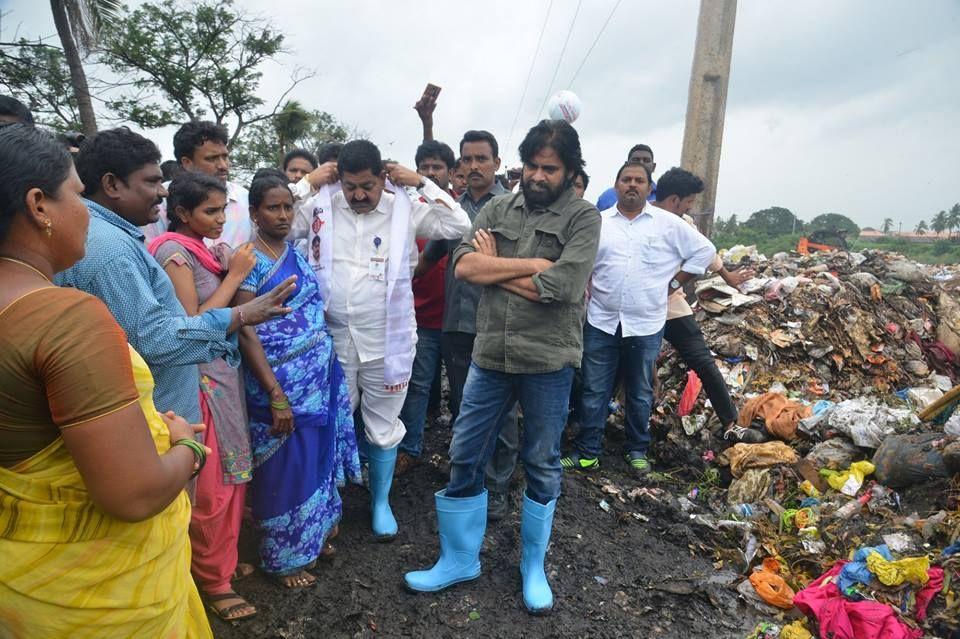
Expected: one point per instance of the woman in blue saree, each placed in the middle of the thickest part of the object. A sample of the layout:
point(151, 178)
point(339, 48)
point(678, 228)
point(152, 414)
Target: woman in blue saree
point(301, 424)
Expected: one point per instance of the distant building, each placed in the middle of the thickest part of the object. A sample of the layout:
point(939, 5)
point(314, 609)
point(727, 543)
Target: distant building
point(873, 235)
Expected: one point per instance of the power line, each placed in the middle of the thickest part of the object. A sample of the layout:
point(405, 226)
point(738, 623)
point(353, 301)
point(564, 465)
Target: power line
point(556, 71)
point(526, 84)
point(595, 40)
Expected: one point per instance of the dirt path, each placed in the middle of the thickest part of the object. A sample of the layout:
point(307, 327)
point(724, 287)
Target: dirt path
point(613, 574)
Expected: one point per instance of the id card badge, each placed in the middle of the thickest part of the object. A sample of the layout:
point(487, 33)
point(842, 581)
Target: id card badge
point(377, 270)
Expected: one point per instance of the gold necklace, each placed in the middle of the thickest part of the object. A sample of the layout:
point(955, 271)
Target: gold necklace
point(267, 246)
point(22, 263)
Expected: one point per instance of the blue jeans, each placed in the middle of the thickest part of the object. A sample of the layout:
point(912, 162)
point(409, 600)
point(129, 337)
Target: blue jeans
point(487, 396)
point(602, 353)
point(414, 412)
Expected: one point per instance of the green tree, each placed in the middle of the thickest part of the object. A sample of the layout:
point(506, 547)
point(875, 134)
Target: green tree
point(264, 143)
point(79, 23)
point(293, 122)
point(921, 228)
point(834, 222)
point(774, 221)
point(940, 222)
point(37, 75)
point(887, 225)
point(200, 61)
point(953, 218)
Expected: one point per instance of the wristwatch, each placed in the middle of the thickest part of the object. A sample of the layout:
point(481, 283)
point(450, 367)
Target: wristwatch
point(674, 284)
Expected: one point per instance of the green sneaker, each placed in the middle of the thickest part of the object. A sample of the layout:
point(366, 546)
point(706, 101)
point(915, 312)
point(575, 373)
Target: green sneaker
point(638, 463)
point(574, 461)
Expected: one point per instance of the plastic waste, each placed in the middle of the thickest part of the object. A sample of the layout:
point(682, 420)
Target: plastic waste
point(905, 460)
point(795, 630)
point(688, 398)
point(952, 425)
point(834, 453)
point(867, 422)
point(771, 587)
point(852, 507)
point(849, 481)
point(744, 510)
point(893, 573)
point(923, 397)
point(809, 489)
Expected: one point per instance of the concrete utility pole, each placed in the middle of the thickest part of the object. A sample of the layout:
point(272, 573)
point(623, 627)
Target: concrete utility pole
point(707, 101)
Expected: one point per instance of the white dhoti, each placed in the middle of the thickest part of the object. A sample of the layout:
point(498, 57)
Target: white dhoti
point(379, 407)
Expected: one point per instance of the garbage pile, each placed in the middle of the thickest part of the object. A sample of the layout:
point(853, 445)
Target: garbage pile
point(840, 513)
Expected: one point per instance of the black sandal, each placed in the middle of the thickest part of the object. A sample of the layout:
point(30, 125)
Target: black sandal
point(224, 613)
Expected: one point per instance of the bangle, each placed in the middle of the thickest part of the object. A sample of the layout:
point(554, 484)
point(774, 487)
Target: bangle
point(243, 322)
point(199, 454)
point(284, 405)
point(273, 388)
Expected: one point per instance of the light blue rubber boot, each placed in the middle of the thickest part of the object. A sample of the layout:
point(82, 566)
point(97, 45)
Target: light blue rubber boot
point(536, 524)
point(381, 462)
point(462, 523)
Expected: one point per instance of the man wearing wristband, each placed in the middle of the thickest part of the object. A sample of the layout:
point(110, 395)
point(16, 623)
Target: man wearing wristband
point(123, 185)
point(366, 260)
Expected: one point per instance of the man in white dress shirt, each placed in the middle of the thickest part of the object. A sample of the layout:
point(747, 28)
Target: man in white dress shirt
point(202, 146)
point(366, 299)
point(645, 254)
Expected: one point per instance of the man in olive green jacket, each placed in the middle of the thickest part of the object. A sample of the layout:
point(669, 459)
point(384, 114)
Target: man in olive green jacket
point(533, 253)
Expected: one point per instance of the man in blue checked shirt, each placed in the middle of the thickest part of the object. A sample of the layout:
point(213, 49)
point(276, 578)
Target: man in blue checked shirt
point(123, 185)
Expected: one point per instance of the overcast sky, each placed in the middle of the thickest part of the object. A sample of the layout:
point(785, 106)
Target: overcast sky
point(850, 107)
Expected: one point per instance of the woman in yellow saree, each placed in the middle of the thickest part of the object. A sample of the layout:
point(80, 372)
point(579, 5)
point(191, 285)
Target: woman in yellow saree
point(93, 516)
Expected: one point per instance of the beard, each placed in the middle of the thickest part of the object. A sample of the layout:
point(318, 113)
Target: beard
point(540, 195)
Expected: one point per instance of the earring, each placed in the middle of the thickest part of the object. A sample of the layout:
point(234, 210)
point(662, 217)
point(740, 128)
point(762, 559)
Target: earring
point(49, 229)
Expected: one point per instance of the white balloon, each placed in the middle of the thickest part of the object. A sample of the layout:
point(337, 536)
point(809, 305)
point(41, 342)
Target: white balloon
point(565, 105)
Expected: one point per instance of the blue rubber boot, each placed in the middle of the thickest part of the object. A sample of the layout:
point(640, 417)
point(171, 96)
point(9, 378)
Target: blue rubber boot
point(536, 523)
point(462, 523)
point(381, 478)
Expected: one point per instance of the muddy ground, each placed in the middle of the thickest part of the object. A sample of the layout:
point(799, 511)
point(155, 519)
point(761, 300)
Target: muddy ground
point(640, 570)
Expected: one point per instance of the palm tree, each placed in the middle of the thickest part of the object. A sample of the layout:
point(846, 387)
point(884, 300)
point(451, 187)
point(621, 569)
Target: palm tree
point(78, 22)
point(921, 228)
point(887, 225)
point(953, 218)
point(940, 222)
point(291, 123)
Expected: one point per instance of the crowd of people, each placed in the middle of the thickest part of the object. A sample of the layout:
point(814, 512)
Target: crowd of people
point(170, 337)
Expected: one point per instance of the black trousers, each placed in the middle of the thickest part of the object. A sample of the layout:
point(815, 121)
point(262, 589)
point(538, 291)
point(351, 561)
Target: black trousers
point(457, 351)
point(687, 339)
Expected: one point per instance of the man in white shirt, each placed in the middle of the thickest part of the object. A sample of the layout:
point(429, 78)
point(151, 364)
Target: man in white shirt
point(368, 295)
point(202, 146)
point(645, 255)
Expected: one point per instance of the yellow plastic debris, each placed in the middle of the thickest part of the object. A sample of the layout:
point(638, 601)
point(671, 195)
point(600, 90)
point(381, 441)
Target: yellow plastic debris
point(894, 573)
point(796, 630)
point(849, 481)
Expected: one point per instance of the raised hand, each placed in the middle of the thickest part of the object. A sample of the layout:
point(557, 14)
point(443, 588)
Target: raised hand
point(326, 173)
point(242, 261)
point(401, 175)
point(269, 305)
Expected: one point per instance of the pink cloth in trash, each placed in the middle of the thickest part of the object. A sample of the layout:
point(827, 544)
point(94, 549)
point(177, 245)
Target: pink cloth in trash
point(840, 618)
